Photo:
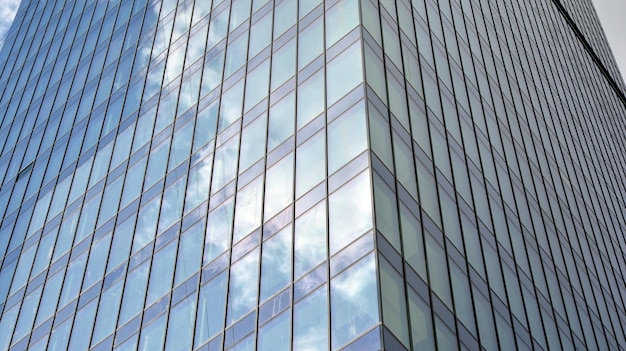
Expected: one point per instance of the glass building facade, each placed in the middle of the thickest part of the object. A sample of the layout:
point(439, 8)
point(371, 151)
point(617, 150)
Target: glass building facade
point(311, 175)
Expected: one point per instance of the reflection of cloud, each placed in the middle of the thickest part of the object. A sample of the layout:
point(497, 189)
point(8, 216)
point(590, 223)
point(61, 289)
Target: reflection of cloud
point(8, 9)
point(248, 212)
point(310, 239)
point(354, 285)
point(243, 285)
point(146, 225)
point(278, 186)
point(218, 231)
point(310, 340)
point(350, 212)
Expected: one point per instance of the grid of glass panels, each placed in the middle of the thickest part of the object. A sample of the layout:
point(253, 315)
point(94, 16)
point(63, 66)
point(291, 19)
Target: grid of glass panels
point(311, 174)
point(167, 180)
point(498, 139)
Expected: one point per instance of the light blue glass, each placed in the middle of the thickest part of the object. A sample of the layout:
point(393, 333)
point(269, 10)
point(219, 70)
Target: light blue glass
point(157, 164)
point(340, 19)
point(344, 73)
point(310, 39)
point(278, 187)
point(83, 326)
point(110, 200)
point(189, 253)
point(283, 61)
point(153, 335)
point(248, 209)
point(162, 273)
point(107, 312)
point(73, 279)
point(27, 314)
point(236, 54)
point(347, 137)
point(7, 324)
point(225, 163)
point(286, 14)
point(134, 292)
point(310, 239)
point(253, 142)
point(257, 85)
point(172, 203)
point(313, 104)
point(60, 336)
point(50, 297)
point(350, 212)
point(260, 34)
point(23, 268)
point(276, 263)
point(310, 322)
point(276, 335)
point(88, 217)
point(211, 309)
point(180, 325)
point(281, 121)
point(100, 164)
point(206, 123)
point(240, 11)
point(311, 152)
point(198, 184)
point(242, 292)
point(97, 261)
point(146, 224)
point(181, 146)
point(134, 181)
point(218, 232)
point(122, 241)
point(354, 301)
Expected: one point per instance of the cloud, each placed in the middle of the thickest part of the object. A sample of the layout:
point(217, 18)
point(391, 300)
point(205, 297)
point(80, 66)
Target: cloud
point(8, 9)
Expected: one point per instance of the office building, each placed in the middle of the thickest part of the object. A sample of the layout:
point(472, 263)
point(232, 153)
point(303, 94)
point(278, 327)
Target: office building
point(311, 175)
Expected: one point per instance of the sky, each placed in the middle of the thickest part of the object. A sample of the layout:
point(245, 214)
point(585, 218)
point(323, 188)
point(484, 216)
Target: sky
point(8, 8)
point(612, 15)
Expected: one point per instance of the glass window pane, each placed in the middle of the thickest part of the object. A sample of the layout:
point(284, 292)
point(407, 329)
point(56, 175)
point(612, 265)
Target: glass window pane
point(162, 273)
point(218, 231)
point(211, 309)
point(281, 122)
point(153, 335)
point(310, 239)
point(310, 163)
point(275, 335)
point(279, 187)
point(284, 62)
point(344, 73)
point(340, 19)
point(248, 209)
point(310, 41)
point(347, 137)
point(310, 322)
point(354, 301)
point(350, 212)
point(257, 84)
point(189, 253)
point(107, 312)
point(311, 106)
point(276, 263)
point(244, 278)
point(253, 142)
point(180, 325)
